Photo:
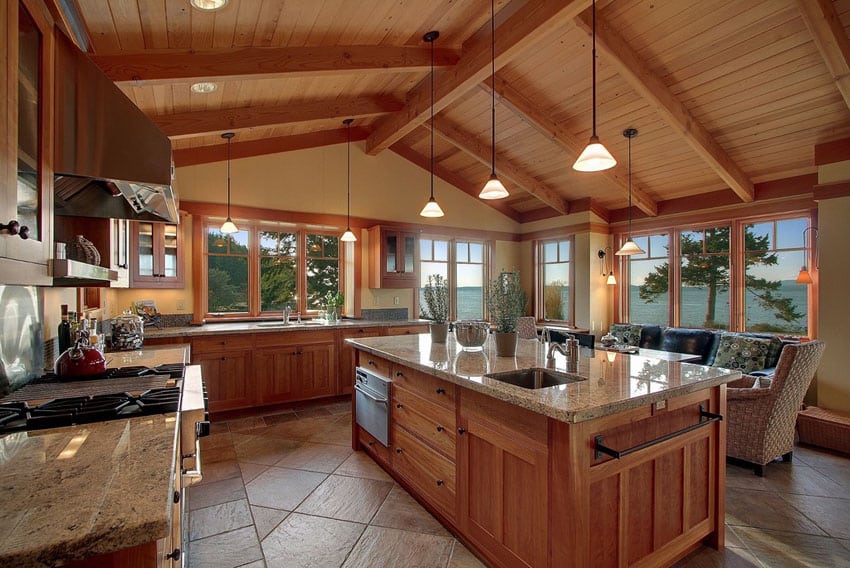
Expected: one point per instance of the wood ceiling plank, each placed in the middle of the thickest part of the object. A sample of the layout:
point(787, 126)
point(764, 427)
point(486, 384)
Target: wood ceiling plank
point(555, 132)
point(151, 16)
point(831, 39)
point(195, 123)
point(175, 66)
point(525, 27)
point(648, 85)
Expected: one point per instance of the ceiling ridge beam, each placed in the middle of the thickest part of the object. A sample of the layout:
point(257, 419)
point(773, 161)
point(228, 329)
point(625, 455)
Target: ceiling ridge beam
point(452, 179)
point(196, 123)
point(831, 40)
point(517, 103)
point(157, 67)
point(504, 166)
point(649, 86)
point(525, 27)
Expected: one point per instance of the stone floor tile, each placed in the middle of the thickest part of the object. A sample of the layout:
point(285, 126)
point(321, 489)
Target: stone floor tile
point(815, 457)
point(216, 440)
point(272, 419)
point(778, 549)
point(218, 427)
point(346, 498)
point(463, 558)
point(266, 519)
point(838, 474)
point(250, 423)
point(219, 454)
point(281, 488)
point(706, 557)
point(392, 548)
point(401, 511)
point(324, 458)
point(732, 538)
point(312, 412)
point(302, 429)
point(338, 433)
point(261, 449)
point(228, 550)
point(832, 515)
point(783, 478)
point(304, 541)
point(201, 496)
point(250, 471)
point(765, 510)
point(216, 471)
point(218, 519)
point(343, 407)
point(257, 564)
point(361, 465)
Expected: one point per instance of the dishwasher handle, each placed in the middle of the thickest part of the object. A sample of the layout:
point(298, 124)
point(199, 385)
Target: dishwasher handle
point(368, 394)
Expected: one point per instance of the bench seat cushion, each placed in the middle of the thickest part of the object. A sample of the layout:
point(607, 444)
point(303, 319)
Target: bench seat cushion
point(742, 353)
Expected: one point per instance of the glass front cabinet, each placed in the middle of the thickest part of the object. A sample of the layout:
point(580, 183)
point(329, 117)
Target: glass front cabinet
point(392, 258)
point(156, 255)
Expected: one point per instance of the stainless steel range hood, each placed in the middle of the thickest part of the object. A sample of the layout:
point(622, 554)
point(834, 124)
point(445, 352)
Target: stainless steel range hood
point(110, 159)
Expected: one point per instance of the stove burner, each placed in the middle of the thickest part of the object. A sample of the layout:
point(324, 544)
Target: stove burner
point(11, 411)
point(77, 410)
point(134, 371)
point(156, 401)
point(173, 369)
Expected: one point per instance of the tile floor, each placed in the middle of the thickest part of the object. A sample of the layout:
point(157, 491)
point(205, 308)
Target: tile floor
point(286, 490)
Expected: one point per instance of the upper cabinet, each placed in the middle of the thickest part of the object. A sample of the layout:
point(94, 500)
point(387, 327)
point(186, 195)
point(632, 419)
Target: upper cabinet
point(392, 258)
point(26, 176)
point(156, 255)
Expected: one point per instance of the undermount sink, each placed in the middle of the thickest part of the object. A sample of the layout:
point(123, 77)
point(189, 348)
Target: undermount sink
point(290, 324)
point(534, 378)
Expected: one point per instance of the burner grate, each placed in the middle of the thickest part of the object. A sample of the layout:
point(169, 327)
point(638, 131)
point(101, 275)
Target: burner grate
point(157, 401)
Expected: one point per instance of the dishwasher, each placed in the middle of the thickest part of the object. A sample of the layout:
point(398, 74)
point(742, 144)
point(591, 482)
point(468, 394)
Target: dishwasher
point(372, 404)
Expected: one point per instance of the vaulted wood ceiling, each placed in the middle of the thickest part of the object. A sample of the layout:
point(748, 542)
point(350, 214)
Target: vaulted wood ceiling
point(726, 95)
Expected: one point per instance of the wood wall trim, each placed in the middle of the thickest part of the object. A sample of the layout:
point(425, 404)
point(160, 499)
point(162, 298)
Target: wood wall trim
point(527, 26)
point(649, 86)
point(832, 190)
point(538, 215)
point(218, 152)
point(831, 152)
point(566, 230)
point(157, 67)
point(195, 123)
point(831, 40)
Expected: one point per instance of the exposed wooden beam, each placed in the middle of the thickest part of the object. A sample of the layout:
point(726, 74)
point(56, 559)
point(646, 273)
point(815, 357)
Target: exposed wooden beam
point(511, 98)
point(829, 35)
point(184, 124)
point(526, 26)
point(155, 67)
point(638, 74)
point(451, 178)
point(248, 148)
point(834, 151)
point(507, 169)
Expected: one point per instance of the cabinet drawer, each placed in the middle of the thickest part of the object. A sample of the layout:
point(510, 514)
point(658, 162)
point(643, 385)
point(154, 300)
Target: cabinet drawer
point(432, 423)
point(432, 389)
point(371, 445)
point(432, 474)
point(216, 343)
point(380, 367)
point(291, 336)
point(407, 329)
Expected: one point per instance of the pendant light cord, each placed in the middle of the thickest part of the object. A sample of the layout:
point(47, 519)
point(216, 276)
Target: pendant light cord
point(630, 187)
point(228, 177)
point(432, 118)
point(593, 66)
point(348, 184)
point(493, 86)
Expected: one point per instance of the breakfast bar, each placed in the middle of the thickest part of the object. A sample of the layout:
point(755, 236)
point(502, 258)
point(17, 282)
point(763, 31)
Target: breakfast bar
point(616, 459)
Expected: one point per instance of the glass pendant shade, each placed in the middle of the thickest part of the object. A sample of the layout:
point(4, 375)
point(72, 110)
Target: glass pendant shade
point(611, 281)
point(493, 189)
point(594, 158)
point(804, 277)
point(629, 248)
point(432, 209)
point(348, 236)
point(229, 227)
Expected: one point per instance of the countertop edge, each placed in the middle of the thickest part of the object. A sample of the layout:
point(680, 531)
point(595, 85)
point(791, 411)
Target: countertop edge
point(252, 327)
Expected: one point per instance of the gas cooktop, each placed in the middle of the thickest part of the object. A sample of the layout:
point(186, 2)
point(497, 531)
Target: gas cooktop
point(174, 370)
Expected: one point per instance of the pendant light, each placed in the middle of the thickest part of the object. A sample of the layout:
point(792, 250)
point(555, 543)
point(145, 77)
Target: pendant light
point(630, 247)
point(804, 276)
point(595, 156)
point(229, 226)
point(432, 208)
point(493, 189)
point(348, 236)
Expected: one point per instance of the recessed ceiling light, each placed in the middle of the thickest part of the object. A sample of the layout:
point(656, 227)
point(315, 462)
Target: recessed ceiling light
point(203, 88)
point(208, 5)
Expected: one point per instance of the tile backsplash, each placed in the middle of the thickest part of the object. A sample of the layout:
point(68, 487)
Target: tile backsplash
point(383, 314)
point(21, 336)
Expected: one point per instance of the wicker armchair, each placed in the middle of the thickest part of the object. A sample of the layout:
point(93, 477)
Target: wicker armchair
point(761, 413)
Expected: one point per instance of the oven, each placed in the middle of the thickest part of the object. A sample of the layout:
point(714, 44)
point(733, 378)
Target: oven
point(372, 404)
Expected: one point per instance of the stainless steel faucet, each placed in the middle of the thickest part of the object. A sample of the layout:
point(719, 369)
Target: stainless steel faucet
point(287, 311)
point(569, 349)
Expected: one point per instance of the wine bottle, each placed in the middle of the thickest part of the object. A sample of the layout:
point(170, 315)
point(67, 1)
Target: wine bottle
point(64, 331)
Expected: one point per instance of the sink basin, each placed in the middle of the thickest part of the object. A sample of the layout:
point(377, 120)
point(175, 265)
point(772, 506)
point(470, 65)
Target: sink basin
point(534, 378)
point(290, 324)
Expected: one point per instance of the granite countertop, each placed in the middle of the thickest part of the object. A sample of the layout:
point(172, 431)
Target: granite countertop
point(271, 326)
point(611, 382)
point(73, 492)
point(148, 357)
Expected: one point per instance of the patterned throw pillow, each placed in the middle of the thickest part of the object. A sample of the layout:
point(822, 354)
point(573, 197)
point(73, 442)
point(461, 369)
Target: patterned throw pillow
point(745, 354)
point(626, 333)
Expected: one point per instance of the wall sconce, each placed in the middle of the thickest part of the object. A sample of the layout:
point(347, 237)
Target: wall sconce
point(607, 269)
point(804, 277)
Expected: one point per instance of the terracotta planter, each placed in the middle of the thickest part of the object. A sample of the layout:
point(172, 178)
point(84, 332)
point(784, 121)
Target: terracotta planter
point(439, 332)
point(505, 344)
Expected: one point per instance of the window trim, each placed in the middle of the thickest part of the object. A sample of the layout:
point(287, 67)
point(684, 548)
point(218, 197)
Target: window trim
point(487, 262)
point(539, 304)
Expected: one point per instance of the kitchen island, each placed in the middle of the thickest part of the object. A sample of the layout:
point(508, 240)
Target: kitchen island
point(622, 464)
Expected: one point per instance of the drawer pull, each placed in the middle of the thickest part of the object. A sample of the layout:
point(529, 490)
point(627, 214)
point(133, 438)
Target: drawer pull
point(439, 483)
point(440, 428)
point(398, 450)
point(370, 362)
point(441, 391)
point(399, 405)
point(370, 443)
point(461, 431)
point(399, 374)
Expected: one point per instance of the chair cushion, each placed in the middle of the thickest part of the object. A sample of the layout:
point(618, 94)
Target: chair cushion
point(742, 353)
point(650, 336)
point(626, 333)
point(686, 340)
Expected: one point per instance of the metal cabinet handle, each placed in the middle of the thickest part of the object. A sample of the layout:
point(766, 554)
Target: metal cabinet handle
point(441, 391)
point(370, 443)
point(440, 428)
point(174, 554)
point(439, 483)
point(12, 226)
point(399, 405)
point(398, 450)
point(461, 431)
point(370, 362)
point(24, 233)
point(369, 395)
point(399, 374)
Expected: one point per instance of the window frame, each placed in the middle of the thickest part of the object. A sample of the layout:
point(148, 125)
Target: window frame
point(451, 262)
point(539, 304)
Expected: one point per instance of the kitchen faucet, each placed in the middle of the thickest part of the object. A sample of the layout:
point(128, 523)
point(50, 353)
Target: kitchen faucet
point(286, 313)
point(568, 349)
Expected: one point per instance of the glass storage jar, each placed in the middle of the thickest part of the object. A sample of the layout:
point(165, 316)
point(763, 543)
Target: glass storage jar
point(128, 332)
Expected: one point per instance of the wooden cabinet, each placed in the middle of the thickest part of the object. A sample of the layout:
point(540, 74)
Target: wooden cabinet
point(111, 238)
point(227, 375)
point(392, 258)
point(295, 365)
point(347, 362)
point(317, 371)
point(26, 176)
point(156, 255)
point(413, 329)
point(275, 372)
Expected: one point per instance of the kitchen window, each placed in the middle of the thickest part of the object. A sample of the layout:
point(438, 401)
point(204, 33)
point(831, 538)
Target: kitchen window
point(554, 275)
point(464, 265)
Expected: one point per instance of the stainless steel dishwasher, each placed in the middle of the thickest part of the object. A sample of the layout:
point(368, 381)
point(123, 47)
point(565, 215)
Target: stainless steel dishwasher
point(372, 403)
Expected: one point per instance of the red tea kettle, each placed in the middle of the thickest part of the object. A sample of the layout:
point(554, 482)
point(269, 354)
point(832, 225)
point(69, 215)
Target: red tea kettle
point(81, 360)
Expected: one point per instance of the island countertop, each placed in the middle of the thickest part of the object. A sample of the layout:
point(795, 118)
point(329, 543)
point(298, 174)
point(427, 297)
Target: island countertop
point(610, 382)
point(268, 326)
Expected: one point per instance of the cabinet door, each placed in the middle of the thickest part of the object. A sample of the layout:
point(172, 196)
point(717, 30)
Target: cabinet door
point(317, 366)
point(406, 262)
point(227, 377)
point(156, 255)
point(345, 384)
point(276, 373)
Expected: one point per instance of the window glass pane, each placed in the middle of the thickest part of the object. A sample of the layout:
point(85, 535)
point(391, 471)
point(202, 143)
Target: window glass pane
point(550, 252)
point(426, 249)
point(441, 250)
point(322, 279)
point(643, 243)
point(704, 295)
point(277, 284)
point(564, 250)
point(462, 252)
point(476, 252)
point(216, 241)
point(555, 276)
point(649, 285)
point(227, 280)
point(470, 291)
point(758, 235)
point(429, 269)
point(789, 233)
point(658, 245)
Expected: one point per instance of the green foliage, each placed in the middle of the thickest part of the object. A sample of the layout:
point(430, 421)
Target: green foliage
point(552, 308)
point(506, 301)
point(334, 299)
point(436, 296)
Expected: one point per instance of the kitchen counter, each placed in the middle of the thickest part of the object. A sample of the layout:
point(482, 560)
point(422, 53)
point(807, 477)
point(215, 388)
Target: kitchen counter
point(608, 387)
point(148, 357)
point(263, 326)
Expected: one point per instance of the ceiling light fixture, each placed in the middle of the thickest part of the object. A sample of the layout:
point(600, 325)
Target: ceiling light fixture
point(204, 87)
point(630, 247)
point(229, 226)
point(493, 189)
point(208, 5)
point(595, 156)
point(348, 236)
point(804, 276)
point(432, 208)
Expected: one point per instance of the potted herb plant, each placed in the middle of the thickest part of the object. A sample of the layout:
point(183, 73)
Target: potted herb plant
point(506, 302)
point(334, 302)
point(436, 308)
